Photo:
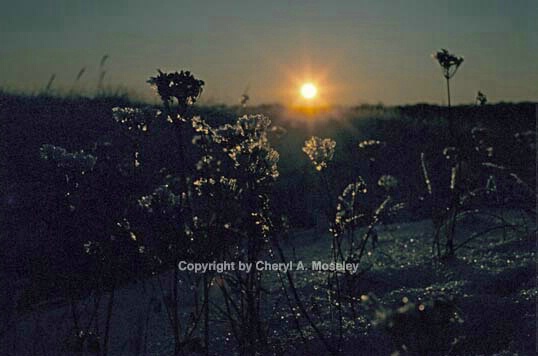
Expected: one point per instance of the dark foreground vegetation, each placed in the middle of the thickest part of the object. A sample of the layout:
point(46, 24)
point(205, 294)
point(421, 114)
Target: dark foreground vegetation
point(102, 197)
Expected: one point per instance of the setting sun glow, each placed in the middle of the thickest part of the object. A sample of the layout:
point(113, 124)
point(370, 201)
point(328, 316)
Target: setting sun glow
point(309, 91)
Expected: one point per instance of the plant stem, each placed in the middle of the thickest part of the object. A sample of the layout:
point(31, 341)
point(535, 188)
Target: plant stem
point(109, 317)
point(450, 123)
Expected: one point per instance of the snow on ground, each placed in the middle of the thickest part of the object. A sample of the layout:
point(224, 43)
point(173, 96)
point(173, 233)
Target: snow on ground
point(493, 279)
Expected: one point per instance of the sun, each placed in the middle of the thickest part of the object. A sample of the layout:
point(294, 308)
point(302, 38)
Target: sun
point(309, 91)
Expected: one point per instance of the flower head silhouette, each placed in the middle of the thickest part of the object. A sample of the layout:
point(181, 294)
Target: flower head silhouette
point(182, 86)
point(448, 62)
point(481, 98)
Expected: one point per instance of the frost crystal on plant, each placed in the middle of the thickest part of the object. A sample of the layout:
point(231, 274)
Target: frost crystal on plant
point(387, 181)
point(74, 160)
point(348, 210)
point(320, 151)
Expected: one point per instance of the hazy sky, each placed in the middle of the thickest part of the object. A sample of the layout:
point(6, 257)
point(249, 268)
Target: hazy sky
point(356, 50)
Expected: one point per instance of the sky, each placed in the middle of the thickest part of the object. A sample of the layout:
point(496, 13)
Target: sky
point(356, 51)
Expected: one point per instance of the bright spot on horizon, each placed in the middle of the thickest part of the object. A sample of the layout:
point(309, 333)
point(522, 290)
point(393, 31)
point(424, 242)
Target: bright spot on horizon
point(308, 91)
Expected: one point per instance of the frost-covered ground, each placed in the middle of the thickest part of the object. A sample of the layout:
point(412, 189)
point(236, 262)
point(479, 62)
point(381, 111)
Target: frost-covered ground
point(492, 282)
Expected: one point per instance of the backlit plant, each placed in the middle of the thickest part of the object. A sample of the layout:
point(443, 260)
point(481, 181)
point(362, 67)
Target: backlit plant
point(320, 151)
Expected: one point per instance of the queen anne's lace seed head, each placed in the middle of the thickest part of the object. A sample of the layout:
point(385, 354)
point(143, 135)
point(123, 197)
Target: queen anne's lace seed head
point(320, 151)
point(448, 62)
point(182, 86)
point(370, 144)
point(79, 161)
point(133, 119)
point(371, 148)
point(388, 182)
point(349, 208)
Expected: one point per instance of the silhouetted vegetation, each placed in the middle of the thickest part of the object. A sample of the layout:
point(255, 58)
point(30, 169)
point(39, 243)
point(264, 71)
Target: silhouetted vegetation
point(101, 193)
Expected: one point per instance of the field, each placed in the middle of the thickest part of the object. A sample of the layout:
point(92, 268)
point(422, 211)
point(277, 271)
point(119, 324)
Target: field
point(100, 204)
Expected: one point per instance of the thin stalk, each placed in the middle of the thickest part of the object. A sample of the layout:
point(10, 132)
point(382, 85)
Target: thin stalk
point(450, 123)
point(206, 315)
point(109, 318)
